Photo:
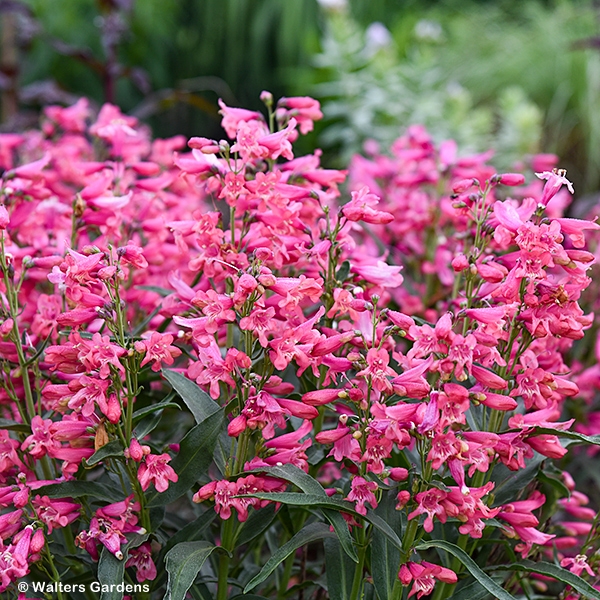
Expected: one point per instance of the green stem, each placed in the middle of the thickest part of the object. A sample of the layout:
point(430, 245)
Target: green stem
point(357, 582)
point(223, 572)
point(55, 575)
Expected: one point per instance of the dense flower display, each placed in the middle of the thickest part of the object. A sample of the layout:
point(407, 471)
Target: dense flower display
point(219, 329)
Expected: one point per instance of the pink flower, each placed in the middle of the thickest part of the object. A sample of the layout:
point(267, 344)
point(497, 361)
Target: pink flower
point(577, 565)
point(156, 470)
point(424, 575)
point(304, 109)
point(4, 218)
point(555, 179)
point(361, 493)
point(158, 350)
point(361, 208)
point(378, 370)
point(233, 117)
point(55, 513)
point(141, 559)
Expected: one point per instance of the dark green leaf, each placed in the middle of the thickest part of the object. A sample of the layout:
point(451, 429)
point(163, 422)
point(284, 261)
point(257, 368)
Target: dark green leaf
point(113, 449)
point(309, 485)
point(248, 597)
point(201, 405)
point(571, 435)
point(341, 529)
point(556, 572)
point(147, 410)
point(155, 288)
point(384, 528)
point(194, 458)
point(339, 570)
point(510, 483)
point(14, 426)
point(295, 475)
point(308, 534)
point(472, 591)
point(76, 489)
point(147, 425)
point(192, 531)
point(258, 522)
point(555, 482)
point(385, 556)
point(308, 500)
point(111, 570)
point(343, 272)
point(183, 563)
point(485, 580)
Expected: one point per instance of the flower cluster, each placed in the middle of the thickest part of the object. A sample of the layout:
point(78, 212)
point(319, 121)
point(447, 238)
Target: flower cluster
point(410, 346)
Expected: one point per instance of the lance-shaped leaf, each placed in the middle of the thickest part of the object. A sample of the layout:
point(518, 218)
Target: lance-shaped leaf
point(570, 435)
point(338, 569)
point(385, 556)
point(201, 405)
point(311, 486)
point(113, 449)
point(308, 534)
point(77, 489)
point(183, 563)
point(555, 572)
point(483, 578)
point(111, 570)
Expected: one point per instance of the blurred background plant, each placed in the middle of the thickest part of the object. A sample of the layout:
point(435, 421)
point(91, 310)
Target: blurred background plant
point(519, 76)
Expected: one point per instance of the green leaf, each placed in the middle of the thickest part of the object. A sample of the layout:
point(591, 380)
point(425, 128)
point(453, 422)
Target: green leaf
point(76, 489)
point(155, 288)
point(111, 570)
point(295, 475)
point(317, 501)
point(148, 410)
point(14, 426)
point(556, 572)
point(385, 556)
point(258, 522)
point(343, 272)
point(248, 597)
point(183, 563)
point(472, 591)
point(308, 534)
point(308, 500)
point(510, 483)
point(194, 458)
point(113, 449)
point(338, 569)
point(555, 482)
point(147, 425)
point(201, 405)
point(384, 528)
point(343, 533)
point(571, 435)
point(485, 580)
point(192, 531)
point(311, 486)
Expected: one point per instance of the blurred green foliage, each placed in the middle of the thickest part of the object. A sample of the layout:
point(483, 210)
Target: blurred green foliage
point(517, 76)
point(189, 52)
point(370, 91)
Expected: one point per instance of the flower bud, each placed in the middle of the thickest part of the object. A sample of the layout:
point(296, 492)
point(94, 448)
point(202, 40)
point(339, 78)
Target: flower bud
point(4, 218)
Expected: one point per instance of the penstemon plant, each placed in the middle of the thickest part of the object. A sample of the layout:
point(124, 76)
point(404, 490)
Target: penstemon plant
point(223, 379)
